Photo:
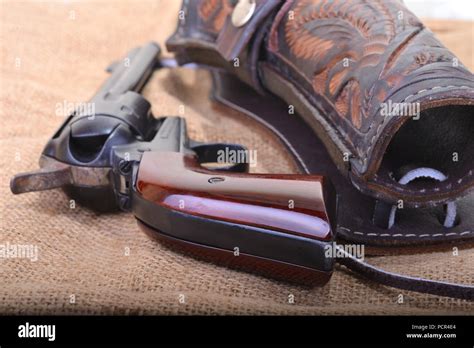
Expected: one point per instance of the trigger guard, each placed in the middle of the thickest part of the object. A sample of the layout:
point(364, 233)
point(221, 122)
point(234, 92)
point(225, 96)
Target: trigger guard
point(210, 153)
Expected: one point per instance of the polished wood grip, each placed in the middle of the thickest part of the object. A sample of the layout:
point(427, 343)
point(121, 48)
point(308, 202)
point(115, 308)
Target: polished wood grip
point(293, 204)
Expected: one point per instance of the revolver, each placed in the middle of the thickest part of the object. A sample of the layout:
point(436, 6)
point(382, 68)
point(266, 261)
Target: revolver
point(115, 155)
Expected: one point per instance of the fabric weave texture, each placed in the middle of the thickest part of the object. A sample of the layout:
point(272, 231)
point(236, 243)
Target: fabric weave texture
point(55, 53)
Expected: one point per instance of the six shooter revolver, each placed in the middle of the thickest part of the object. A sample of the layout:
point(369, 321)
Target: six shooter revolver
point(119, 156)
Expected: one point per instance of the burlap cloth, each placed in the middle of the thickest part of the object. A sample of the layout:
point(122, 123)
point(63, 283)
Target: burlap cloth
point(57, 51)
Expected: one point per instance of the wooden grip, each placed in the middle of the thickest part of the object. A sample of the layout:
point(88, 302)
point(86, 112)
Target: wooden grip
point(292, 204)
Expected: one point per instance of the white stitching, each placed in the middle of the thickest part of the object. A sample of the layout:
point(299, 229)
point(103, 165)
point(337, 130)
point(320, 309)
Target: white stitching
point(405, 235)
point(405, 189)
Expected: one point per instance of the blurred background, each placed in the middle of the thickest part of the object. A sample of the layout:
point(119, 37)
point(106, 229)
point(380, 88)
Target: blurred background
point(443, 9)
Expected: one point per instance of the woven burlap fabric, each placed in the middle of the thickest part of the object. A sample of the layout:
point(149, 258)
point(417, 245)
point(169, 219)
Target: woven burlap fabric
point(56, 52)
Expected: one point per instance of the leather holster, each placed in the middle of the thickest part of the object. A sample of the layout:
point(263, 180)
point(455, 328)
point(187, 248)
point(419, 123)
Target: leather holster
point(377, 94)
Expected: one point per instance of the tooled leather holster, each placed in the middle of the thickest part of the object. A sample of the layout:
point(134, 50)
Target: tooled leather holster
point(403, 180)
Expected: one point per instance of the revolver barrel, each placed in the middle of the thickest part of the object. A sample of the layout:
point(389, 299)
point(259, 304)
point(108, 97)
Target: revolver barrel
point(130, 74)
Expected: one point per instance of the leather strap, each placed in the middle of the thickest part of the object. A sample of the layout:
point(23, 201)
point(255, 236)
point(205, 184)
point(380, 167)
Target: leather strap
point(434, 287)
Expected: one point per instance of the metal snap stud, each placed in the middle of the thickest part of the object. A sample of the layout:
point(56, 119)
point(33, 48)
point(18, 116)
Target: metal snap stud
point(242, 12)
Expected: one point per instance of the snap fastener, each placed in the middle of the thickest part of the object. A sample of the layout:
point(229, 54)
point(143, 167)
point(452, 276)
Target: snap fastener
point(242, 12)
